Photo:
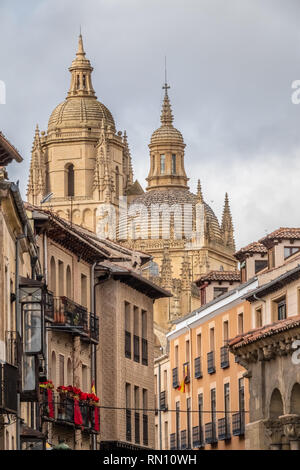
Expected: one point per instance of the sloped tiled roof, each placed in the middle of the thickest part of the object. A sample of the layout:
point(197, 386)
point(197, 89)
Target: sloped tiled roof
point(281, 233)
point(267, 330)
point(231, 276)
point(254, 247)
point(7, 151)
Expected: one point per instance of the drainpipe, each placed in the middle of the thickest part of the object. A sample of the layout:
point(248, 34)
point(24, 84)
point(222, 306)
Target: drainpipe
point(93, 346)
point(159, 407)
point(18, 327)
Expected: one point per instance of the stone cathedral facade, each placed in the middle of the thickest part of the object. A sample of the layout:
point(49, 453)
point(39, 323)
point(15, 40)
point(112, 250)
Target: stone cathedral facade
point(86, 163)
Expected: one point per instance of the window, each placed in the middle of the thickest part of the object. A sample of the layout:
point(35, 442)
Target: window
point(137, 414)
point(61, 369)
point(241, 395)
point(52, 275)
point(83, 290)
point(69, 282)
point(166, 435)
point(258, 317)
point(144, 324)
point(145, 417)
point(213, 409)
point(212, 339)
point(176, 356)
point(225, 332)
point(219, 291)
point(260, 265)
point(203, 295)
point(127, 331)
point(243, 271)
point(173, 164)
point(77, 82)
point(70, 180)
point(281, 310)
point(53, 368)
point(83, 81)
point(61, 278)
point(128, 411)
point(290, 250)
point(69, 372)
point(200, 416)
point(199, 345)
point(187, 351)
point(162, 164)
point(240, 323)
point(136, 336)
point(153, 163)
point(177, 424)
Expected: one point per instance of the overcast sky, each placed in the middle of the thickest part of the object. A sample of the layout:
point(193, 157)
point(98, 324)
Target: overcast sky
point(230, 66)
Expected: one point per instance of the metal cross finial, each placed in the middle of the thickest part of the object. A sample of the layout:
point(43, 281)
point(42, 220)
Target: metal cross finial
point(166, 86)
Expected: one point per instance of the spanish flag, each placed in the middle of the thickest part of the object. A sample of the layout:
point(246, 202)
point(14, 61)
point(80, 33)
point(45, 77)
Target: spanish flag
point(93, 388)
point(181, 387)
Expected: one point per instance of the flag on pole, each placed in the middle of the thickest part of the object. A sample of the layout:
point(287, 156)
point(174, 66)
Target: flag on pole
point(181, 387)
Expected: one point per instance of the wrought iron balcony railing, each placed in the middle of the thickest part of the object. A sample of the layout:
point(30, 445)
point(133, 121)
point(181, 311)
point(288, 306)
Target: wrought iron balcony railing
point(163, 401)
point(224, 429)
point(198, 368)
point(61, 409)
point(70, 314)
point(94, 327)
point(211, 367)
point(210, 433)
point(183, 437)
point(238, 423)
point(173, 441)
point(175, 377)
point(197, 435)
point(128, 344)
point(8, 388)
point(136, 348)
point(186, 372)
point(224, 357)
point(128, 425)
point(137, 427)
point(144, 352)
point(49, 306)
point(145, 430)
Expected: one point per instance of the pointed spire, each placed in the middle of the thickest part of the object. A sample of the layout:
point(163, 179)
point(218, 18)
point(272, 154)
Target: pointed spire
point(166, 117)
point(186, 272)
point(80, 51)
point(166, 268)
point(199, 192)
point(129, 163)
point(227, 225)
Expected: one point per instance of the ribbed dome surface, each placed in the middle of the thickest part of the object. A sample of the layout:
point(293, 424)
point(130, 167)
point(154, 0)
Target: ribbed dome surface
point(165, 135)
point(78, 111)
point(179, 196)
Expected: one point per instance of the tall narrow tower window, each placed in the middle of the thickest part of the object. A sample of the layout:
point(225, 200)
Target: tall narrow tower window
point(70, 181)
point(173, 164)
point(84, 81)
point(162, 164)
point(78, 82)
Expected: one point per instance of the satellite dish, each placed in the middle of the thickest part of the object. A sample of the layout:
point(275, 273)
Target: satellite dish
point(46, 198)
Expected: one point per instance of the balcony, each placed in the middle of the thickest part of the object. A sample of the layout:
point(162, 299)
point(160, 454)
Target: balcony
point(127, 344)
point(183, 436)
point(210, 433)
point(49, 306)
point(8, 388)
point(238, 424)
point(175, 377)
point(197, 437)
point(163, 401)
point(137, 427)
point(128, 425)
point(144, 352)
point(60, 410)
point(186, 372)
point(173, 441)
point(136, 348)
point(198, 368)
point(224, 429)
point(211, 367)
point(13, 348)
point(224, 357)
point(145, 430)
point(94, 327)
point(70, 316)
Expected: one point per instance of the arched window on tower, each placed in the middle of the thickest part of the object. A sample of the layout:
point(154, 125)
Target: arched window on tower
point(77, 82)
point(84, 81)
point(117, 182)
point(70, 180)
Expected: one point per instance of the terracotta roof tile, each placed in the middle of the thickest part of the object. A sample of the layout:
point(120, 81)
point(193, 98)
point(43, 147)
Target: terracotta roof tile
point(254, 247)
point(231, 276)
point(281, 233)
point(267, 330)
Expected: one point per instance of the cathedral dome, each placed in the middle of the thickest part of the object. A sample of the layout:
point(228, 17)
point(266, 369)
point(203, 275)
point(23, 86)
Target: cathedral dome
point(80, 111)
point(166, 135)
point(172, 197)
